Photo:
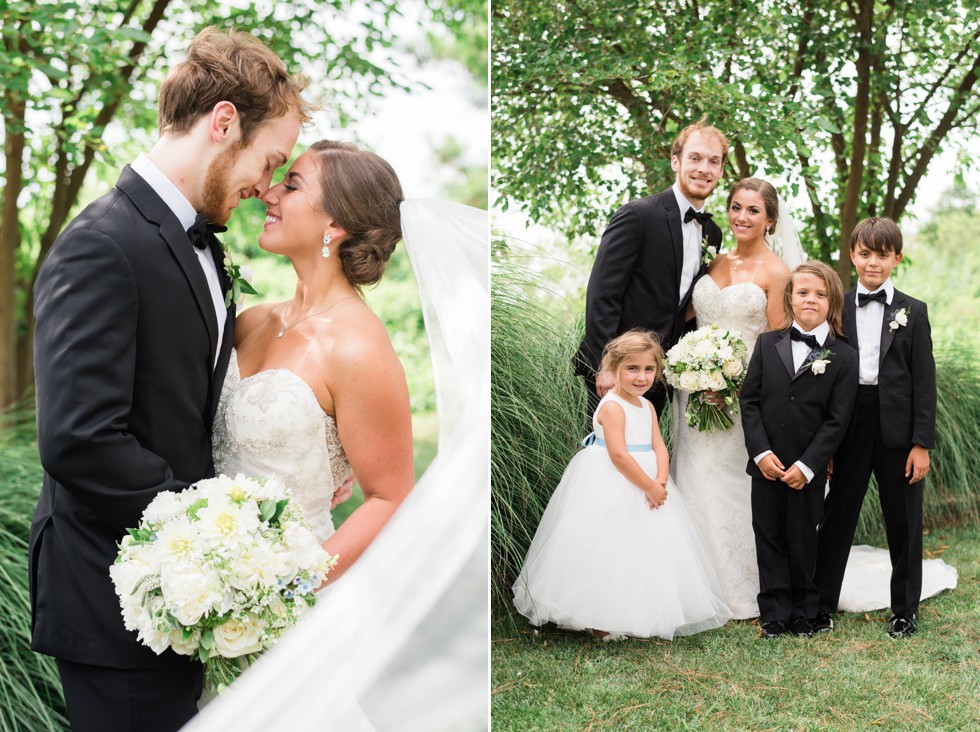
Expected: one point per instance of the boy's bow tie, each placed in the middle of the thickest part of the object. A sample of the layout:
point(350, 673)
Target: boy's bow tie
point(864, 298)
point(810, 340)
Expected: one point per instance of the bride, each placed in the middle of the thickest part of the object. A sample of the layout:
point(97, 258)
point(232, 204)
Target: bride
point(743, 291)
point(402, 643)
point(314, 388)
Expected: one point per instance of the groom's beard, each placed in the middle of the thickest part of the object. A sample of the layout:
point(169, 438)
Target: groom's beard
point(214, 205)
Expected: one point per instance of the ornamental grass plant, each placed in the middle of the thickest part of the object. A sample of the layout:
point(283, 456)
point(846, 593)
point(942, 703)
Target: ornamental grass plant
point(30, 691)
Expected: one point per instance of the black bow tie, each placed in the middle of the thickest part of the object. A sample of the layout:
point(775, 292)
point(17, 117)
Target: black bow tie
point(864, 298)
point(201, 232)
point(810, 340)
point(703, 217)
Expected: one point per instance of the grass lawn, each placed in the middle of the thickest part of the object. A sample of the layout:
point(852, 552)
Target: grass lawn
point(728, 679)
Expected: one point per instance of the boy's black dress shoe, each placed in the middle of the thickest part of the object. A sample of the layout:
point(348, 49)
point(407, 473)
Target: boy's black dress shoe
point(901, 626)
point(823, 623)
point(801, 627)
point(773, 629)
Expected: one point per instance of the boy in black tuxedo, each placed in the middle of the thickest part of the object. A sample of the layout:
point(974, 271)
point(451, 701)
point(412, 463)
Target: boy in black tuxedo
point(796, 403)
point(892, 431)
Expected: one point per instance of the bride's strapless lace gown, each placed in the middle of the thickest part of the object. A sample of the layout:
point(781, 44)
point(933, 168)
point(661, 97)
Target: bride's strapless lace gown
point(271, 424)
point(709, 467)
point(709, 471)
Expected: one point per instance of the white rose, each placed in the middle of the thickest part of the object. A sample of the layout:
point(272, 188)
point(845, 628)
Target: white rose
point(246, 273)
point(185, 648)
point(733, 369)
point(235, 638)
point(902, 318)
point(689, 381)
point(190, 592)
point(716, 380)
point(818, 366)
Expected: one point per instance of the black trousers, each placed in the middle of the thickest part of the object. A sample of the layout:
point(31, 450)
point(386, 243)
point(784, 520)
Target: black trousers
point(901, 508)
point(101, 699)
point(785, 525)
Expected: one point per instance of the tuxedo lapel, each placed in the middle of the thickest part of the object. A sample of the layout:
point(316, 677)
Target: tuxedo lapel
point(784, 347)
point(673, 216)
point(850, 318)
point(887, 334)
point(153, 208)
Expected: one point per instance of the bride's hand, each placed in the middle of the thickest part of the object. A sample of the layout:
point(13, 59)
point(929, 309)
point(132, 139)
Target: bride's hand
point(344, 491)
point(713, 398)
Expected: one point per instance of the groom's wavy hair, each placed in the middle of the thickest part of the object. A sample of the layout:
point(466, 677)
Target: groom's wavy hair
point(632, 343)
point(835, 294)
point(231, 67)
point(361, 192)
point(710, 131)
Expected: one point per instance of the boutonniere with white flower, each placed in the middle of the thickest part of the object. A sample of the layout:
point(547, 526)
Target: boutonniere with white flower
point(240, 276)
point(818, 361)
point(899, 319)
point(708, 251)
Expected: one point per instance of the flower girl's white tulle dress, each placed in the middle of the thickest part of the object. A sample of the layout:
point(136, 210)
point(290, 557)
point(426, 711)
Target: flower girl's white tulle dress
point(602, 559)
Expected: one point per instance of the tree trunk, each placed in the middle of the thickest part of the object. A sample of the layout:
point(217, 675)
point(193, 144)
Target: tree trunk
point(9, 243)
point(852, 194)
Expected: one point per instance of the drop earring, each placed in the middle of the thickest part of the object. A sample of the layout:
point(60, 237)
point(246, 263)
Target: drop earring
point(325, 252)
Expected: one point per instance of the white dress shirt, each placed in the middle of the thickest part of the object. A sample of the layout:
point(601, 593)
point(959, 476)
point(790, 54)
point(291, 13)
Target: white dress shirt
point(692, 243)
point(185, 213)
point(800, 352)
point(867, 322)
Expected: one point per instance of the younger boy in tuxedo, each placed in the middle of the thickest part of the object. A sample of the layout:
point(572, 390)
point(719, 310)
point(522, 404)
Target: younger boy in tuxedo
point(892, 430)
point(796, 404)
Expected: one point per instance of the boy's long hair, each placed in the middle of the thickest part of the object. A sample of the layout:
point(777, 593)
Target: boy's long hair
point(632, 343)
point(835, 294)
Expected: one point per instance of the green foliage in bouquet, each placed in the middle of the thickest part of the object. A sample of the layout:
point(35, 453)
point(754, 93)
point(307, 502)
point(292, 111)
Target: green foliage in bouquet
point(30, 691)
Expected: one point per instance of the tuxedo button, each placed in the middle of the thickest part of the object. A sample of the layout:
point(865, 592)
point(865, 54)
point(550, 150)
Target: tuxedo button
point(792, 399)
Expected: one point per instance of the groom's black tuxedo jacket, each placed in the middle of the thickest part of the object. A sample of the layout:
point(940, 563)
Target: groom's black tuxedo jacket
point(798, 415)
point(906, 373)
point(126, 392)
point(636, 277)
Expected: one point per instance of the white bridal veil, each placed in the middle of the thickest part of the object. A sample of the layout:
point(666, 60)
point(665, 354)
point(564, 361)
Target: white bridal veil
point(401, 641)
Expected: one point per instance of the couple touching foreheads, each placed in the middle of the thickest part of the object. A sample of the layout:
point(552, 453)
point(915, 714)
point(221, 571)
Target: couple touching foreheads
point(147, 382)
point(658, 274)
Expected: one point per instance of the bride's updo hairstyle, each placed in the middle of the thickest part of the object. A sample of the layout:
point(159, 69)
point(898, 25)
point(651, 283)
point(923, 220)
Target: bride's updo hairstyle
point(769, 197)
point(629, 344)
point(361, 192)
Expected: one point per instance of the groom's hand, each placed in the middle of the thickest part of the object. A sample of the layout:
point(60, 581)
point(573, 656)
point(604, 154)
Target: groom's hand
point(604, 381)
point(345, 491)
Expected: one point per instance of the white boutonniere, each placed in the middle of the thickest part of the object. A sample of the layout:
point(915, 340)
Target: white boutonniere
point(240, 276)
point(708, 251)
point(900, 318)
point(818, 361)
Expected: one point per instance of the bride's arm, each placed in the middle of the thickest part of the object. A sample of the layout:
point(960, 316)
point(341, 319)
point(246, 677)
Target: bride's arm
point(777, 275)
point(370, 397)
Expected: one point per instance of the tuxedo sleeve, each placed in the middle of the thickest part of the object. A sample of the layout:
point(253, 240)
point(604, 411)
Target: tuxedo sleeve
point(86, 308)
point(615, 262)
point(828, 436)
point(923, 383)
point(750, 405)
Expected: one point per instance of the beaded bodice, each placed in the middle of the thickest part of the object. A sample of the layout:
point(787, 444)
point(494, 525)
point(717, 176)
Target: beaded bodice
point(271, 423)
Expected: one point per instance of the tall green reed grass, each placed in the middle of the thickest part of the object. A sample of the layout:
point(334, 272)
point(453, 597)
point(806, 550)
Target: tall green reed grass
point(30, 691)
point(538, 416)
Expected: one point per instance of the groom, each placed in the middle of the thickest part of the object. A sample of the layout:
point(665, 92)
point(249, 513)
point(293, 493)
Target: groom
point(650, 256)
point(132, 343)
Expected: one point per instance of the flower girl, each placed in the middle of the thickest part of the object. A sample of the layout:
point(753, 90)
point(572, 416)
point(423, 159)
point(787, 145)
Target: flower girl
point(616, 552)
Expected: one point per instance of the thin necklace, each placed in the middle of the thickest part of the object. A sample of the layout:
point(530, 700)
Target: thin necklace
point(740, 260)
point(318, 312)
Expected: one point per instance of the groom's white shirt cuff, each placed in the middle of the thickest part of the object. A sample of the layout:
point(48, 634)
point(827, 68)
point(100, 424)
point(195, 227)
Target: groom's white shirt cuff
point(807, 473)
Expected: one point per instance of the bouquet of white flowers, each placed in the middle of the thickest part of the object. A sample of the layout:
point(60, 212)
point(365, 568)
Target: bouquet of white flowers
point(219, 571)
point(709, 359)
